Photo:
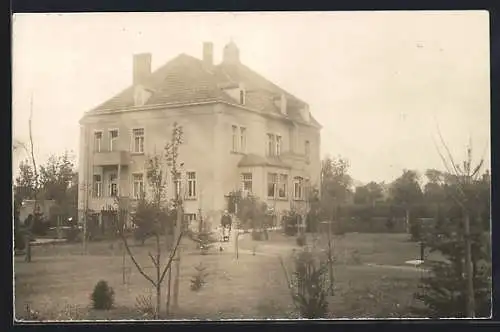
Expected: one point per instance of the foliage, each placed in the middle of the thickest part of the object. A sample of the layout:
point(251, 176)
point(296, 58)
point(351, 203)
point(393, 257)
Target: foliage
point(368, 194)
point(290, 220)
point(151, 219)
point(25, 182)
point(309, 286)
point(103, 296)
point(406, 190)
point(199, 279)
point(250, 210)
point(335, 184)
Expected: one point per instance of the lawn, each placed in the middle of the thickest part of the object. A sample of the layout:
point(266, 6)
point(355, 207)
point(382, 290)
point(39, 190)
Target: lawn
point(59, 280)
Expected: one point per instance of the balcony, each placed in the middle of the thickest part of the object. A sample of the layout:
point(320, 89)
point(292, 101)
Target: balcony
point(110, 158)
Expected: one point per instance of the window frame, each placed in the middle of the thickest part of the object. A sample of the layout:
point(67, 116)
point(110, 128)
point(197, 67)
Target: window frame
point(234, 138)
point(143, 140)
point(142, 188)
point(271, 145)
point(193, 182)
point(270, 175)
point(111, 183)
point(278, 144)
point(248, 179)
point(112, 140)
point(283, 180)
point(97, 185)
point(243, 139)
point(98, 131)
point(298, 182)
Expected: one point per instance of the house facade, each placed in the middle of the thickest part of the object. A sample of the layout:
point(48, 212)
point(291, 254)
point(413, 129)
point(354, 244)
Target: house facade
point(240, 132)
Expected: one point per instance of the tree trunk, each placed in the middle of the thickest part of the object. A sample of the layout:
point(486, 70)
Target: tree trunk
point(330, 258)
point(123, 265)
point(470, 304)
point(158, 276)
point(158, 297)
point(169, 287)
point(28, 248)
point(178, 230)
point(407, 220)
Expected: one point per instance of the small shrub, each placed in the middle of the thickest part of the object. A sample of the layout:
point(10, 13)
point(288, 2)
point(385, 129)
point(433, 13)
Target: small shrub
point(356, 257)
point(102, 296)
point(144, 305)
point(205, 242)
point(301, 240)
point(73, 235)
point(310, 286)
point(257, 235)
point(199, 279)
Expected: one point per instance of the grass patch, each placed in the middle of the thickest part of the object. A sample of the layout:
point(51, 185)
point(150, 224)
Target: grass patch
point(60, 277)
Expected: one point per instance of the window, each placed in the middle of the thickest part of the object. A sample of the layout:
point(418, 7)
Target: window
point(137, 185)
point(283, 184)
point(272, 181)
point(97, 141)
point(297, 188)
point(113, 137)
point(113, 185)
point(307, 150)
point(270, 145)
point(97, 190)
point(278, 145)
point(191, 178)
point(138, 135)
point(189, 217)
point(235, 139)
point(246, 181)
point(177, 184)
point(243, 139)
point(242, 97)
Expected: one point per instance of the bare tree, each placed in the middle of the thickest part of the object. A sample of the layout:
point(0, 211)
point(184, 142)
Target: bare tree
point(172, 153)
point(36, 188)
point(465, 175)
point(155, 214)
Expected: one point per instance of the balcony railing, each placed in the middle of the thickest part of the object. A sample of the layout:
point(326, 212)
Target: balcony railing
point(110, 158)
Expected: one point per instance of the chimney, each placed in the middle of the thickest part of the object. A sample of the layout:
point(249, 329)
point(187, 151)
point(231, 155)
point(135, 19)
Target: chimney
point(231, 54)
point(141, 68)
point(208, 55)
point(283, 106)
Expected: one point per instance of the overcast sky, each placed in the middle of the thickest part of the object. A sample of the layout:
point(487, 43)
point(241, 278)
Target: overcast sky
point(379, 82)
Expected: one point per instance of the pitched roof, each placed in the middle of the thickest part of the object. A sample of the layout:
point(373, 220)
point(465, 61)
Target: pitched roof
point(251, 159)
point(184, 79)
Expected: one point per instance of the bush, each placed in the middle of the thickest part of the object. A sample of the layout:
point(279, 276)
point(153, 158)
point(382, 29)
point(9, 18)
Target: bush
point(103, 296)
point(301, 240)
point(199, 279)
point(19, 240)
point(144, 305)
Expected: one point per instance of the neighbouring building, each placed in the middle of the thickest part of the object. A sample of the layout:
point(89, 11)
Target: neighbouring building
point(241, 131)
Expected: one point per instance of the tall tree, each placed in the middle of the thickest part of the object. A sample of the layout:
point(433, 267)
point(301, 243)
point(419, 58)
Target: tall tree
point(405, 191)
point(25, 182)
point(335, 189)
point(368, 194)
